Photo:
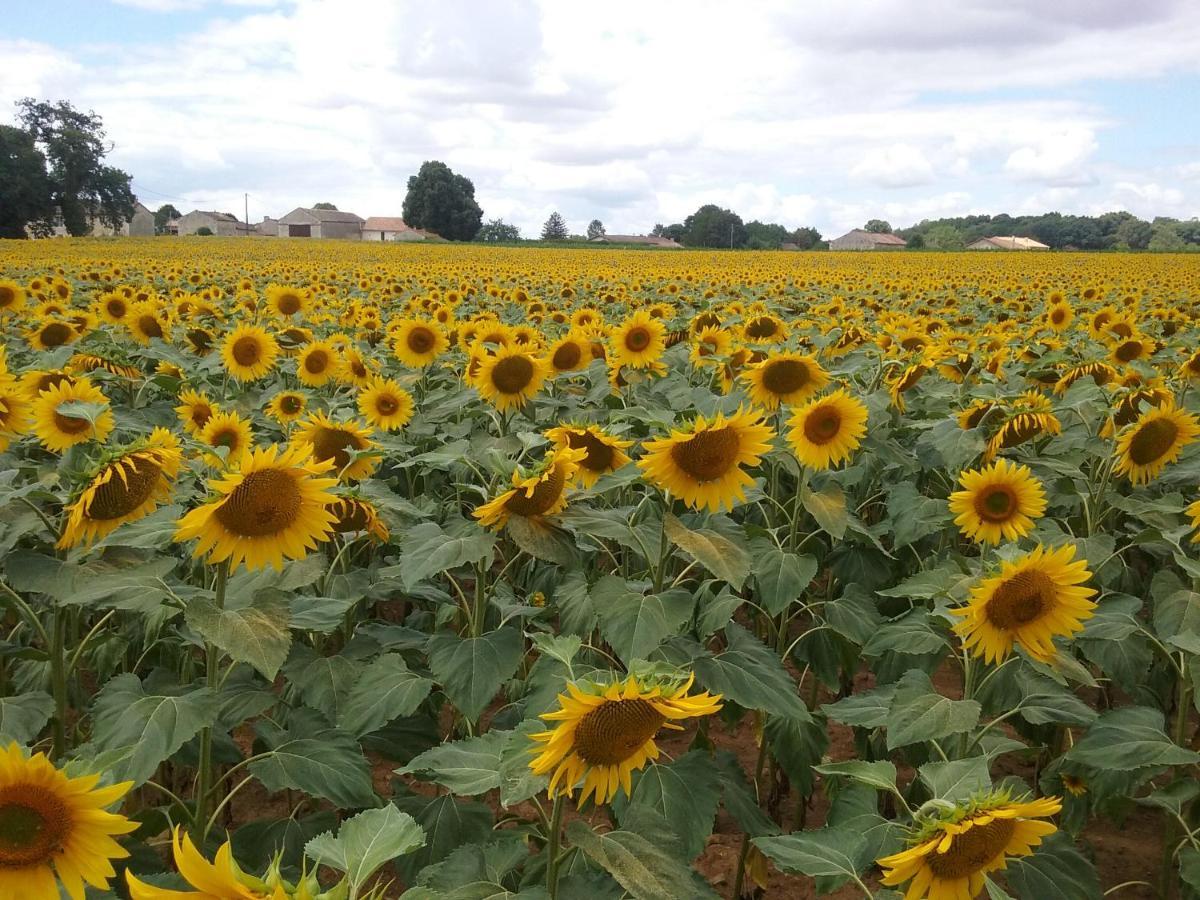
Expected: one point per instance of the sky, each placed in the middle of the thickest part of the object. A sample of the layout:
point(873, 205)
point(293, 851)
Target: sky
point(803, 113)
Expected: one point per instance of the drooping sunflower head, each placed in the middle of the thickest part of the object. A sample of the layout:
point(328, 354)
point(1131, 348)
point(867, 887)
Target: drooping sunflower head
point(510, 377)
point(220, 878)
point(249, 352)
point(386, 405)
point(825, 431)
point(603, 732)
point(1031, 416)
point(316, 364)
point(354, 514)
point(123, 489)
point(273, 504)
point(1154, 440)
point(337, 443)
point(287, 407)
point(998, 502)
point(194, 411)
point(1031, 601)
point(1190, 368)
point(230, 431)
point(70, 413)
point(417, 343)
point(903, 382)
point(534, 497)
point(785, 378)
point(702, 463)
point(603, 453)
point(638, 341)
point(952, 851)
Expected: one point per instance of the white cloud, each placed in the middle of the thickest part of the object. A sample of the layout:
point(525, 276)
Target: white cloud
point(635, 113)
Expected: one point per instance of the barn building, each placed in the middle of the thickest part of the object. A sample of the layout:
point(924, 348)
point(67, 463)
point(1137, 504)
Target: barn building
point(303, 222)
point(867, 240)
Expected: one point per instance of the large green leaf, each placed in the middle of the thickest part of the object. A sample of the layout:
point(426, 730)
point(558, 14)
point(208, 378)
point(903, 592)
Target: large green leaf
point(467, 767)
point(880, 774)
point(1056, 871)
point(825, 852)
point(324, 682)
point(749, 674)
point(918, 713)
point(713, 550)
point(448, 825)
point(781, 577)
point(472, 670)
point(641, 867)
point(913, 515)
point(868, 709)
point(366, 842)
point(686, 792)
point(151, 726)
point(1129, 738)
point(256, 632)
point(956, 779)
point(324, 763)
point(738, 797)
point(828, 507)
point(635, 624)
point(385, 690)
point(23, 716)
point(428, 550)
point(1177, 620)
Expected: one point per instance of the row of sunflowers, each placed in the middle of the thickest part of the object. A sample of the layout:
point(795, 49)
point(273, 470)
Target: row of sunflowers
point(336, 571)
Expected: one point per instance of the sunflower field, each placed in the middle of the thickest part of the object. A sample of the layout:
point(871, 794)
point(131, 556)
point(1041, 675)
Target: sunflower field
point(444, 572)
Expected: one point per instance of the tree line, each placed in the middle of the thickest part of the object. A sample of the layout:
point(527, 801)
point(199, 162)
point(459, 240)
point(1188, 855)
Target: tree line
point(1109, 231)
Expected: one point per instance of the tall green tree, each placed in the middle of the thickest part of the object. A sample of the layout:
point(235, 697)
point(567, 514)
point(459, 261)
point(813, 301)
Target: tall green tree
point(878, 226)
point(806, 238)
point(443, 202)
point(1134, 233)
point(555, 228)
point(324, 205)
point(497, 230)
point(25, 192)
point(163, 215)
point(595, 229)
point(82, 186)
point(712, 226)
point(764, 236)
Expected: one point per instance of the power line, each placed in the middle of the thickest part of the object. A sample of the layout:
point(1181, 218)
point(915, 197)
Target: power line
point(140, 189)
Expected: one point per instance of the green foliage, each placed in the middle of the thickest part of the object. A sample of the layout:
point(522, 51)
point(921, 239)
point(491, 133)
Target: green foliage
point(554, 228)
point(25, 189)
point(712, 226)
point(443, 202)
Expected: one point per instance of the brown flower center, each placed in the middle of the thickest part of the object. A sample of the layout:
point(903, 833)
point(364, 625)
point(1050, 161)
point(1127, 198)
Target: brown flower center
point(599, 454)
point(265, 503)
point(421, 340)
point(785, 376)
point(822, 425)
point(996, 503)
point(116, 497)
point(386, 404)
point(56, 334)
point(1020, 599)
point(512, 374)
point(247, 350)
point(150, 326)
point(615, 730)
point(335, 444)
point(316, 362)
point(638, 339)
point(708, 455)
point(972, 850)
point(545, 494)
point(762, 327)
point(288, 303)
point(290, 404)
point(1152, 441)
point(7, 296)
point(567, 356)
point(34, 823)
point(71, 424)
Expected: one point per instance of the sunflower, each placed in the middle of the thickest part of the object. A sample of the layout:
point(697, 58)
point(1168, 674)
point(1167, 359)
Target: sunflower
point(124, 489)
point(354, 514)
point(145, 322)
point(1190, 368)
point(220, 879)
point(764, 329)
point(702, 464)
point(998, 503)
point(604, 732)
point(1155, 439)
point(356, 369)
point(112, 308)
point(12, 298)
point(904, 382)
point(825, 431)
point(194, 411)
point(708, 345)
point(274, 505)
point(386, 405)
point(570, 353)
point(286, 302)
point(1030, 601)
point(1059, 316)
point(287, 407)
point(1100, 373)
point(539, 495)
point(52, 333)
point(15, 414)
point(55, 824)
point(418, 343)
point(228, 430)
point(1131, 349)
point(249, 352)
point(332, 441)
point(87, 362)
point(1032, 415)
point(784, 378)
point(316, 364)
point(58, 422)
point(604, 453)
point(638, 341)
point(510, 377)
point(951, 855)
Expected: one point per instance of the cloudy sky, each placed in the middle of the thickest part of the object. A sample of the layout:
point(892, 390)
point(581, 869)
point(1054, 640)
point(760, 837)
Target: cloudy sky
point(813, 113)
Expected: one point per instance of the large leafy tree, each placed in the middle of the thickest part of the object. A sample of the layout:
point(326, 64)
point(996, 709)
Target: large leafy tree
point(496, 231)
point(878, 226)
point(24, 186)
point(555, 228)
point(163, 215)
point(324, 205)
point(765, 236)
point(712, 226)
point(595, 229)
point(443, 202)
point(82, 186)
point(806, 237)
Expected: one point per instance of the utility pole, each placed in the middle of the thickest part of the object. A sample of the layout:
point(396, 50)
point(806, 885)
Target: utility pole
point(246, 199)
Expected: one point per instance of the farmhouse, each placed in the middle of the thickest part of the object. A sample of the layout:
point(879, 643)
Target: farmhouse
point(867, 240)
point(219, 223)
point(302, 222)
point(647, 240)
point(390, 228)
point(1012, 242)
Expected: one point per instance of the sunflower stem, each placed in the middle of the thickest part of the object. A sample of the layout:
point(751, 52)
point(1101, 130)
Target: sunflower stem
point(1171, 829)
point(204, 773)
point(554, 841)
point(661, 569)
point(58, 680)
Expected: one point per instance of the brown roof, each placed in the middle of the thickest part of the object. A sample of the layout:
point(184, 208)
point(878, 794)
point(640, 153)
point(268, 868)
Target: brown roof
point(650, 239)
point(883, 238)
point(386, 223)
